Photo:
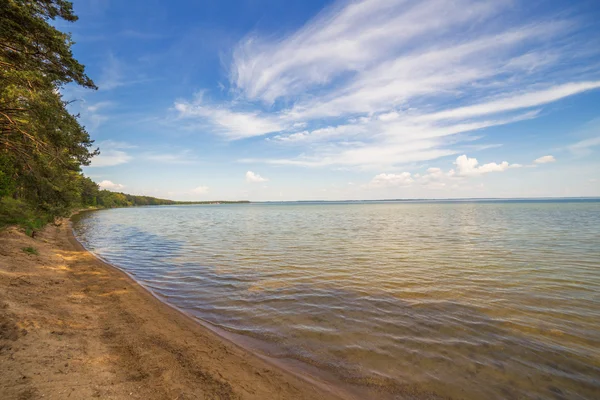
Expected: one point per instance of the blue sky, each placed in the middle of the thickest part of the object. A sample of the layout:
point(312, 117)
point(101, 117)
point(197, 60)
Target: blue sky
point(297, 99)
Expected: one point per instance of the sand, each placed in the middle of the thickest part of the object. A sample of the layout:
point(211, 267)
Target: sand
point(73, 327)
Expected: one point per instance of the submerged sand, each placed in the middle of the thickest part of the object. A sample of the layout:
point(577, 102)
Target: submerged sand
point(74, 327)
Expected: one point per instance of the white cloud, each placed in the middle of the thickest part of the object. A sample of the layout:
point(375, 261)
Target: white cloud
point(584, 147)
point(399, 142)
point(232, 124)
point(466, 166)
point(378, 84)
point(182, 157)
point(545, 160)
point(436, 178)
point(251, 177)
point(430, 72)
point(343, 38)
point(322, 134)
point(108, 185)
point(111, 154)
point(94, 107)
point(112, 75)
point(92, 114)
point(200, 190)
point(520, 101)
point(391, 180)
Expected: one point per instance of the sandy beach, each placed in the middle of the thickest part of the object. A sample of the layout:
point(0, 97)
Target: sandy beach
point(74, 327)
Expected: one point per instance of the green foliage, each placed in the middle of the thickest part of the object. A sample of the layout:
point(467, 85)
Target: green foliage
point(18, 212)
point(110, 199)
point(30, 250)
point(29, 44)
point(7, 171)
point(42, 146)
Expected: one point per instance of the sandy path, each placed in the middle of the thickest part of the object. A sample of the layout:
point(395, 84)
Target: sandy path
point(72, 327)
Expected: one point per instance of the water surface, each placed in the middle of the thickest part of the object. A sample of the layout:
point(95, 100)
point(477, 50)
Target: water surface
point(471, 300)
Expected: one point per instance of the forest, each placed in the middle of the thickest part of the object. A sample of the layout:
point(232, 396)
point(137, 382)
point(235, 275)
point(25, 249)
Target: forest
point(43, 147)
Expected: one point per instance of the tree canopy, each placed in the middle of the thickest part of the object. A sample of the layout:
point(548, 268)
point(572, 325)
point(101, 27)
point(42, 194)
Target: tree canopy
point(42, 145)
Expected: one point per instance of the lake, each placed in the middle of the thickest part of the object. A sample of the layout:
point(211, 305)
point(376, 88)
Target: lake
point(459, 299)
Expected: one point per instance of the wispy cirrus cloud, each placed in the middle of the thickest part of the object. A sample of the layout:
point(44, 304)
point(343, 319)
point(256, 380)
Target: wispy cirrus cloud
point(94, 114)
point(517, 102)
point(223, 120)
point(591, 132)
point(382, 83)
point(113, 74)
point(346, 37)
point(112, 153)
point(584, 147)
point(178, 157)
point(544, 160)
point(117, 73)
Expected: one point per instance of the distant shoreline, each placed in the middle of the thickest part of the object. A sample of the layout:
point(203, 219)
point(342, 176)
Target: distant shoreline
point(457, 199)
point(420, 200)
point(409, 200)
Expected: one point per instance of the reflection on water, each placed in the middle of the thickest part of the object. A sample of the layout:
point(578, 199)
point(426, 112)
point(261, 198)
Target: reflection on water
point(466, 300)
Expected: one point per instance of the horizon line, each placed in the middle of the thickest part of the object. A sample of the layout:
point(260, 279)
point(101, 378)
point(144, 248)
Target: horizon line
point(394, 199)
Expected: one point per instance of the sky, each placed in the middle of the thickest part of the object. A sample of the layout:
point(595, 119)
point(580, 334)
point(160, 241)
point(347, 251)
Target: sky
point(332, 100)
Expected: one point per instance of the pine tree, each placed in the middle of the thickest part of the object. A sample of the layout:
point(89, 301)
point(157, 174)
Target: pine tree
point(42, 146)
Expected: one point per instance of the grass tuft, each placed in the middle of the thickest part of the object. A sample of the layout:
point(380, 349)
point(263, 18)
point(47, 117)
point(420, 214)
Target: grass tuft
point(30, 250)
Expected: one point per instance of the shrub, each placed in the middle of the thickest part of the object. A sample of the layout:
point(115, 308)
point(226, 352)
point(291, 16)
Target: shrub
point(30, 250)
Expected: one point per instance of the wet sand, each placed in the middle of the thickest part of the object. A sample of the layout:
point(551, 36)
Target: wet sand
point(74, 327)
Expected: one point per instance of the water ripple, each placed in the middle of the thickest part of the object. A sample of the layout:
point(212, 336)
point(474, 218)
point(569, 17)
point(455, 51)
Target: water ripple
point(468, 300)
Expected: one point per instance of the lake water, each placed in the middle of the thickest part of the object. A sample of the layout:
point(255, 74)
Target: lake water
point(465, 300)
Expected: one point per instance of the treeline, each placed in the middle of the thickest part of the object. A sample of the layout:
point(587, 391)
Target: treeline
point(93, 196)
point(108, 199)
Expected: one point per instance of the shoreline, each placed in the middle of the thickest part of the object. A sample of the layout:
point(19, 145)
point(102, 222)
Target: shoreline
point(306, 372)
point(71, 323)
